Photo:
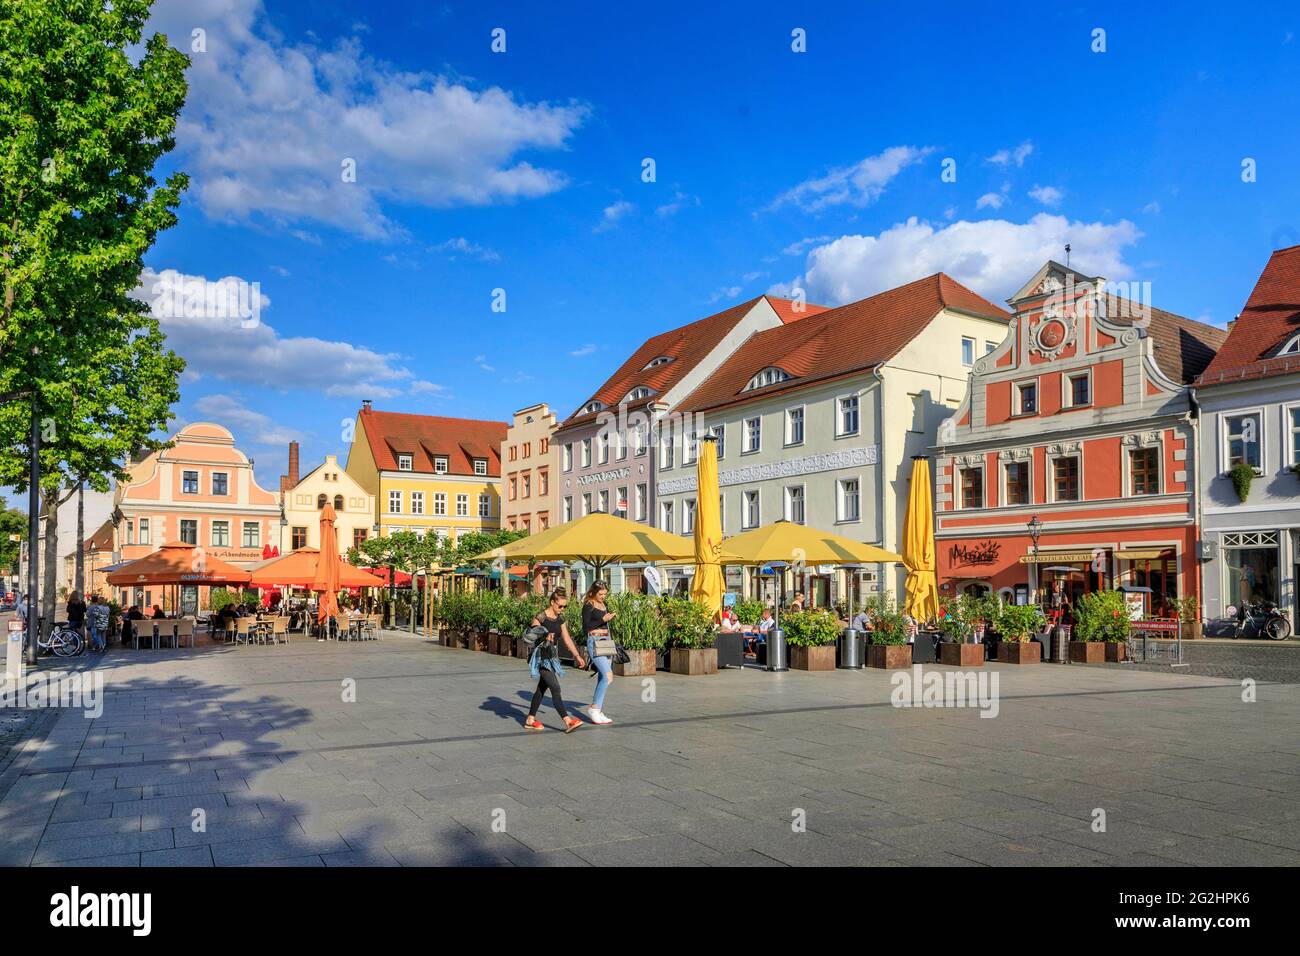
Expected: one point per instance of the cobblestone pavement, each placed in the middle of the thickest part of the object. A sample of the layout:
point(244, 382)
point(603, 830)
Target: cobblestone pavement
point(429, 766)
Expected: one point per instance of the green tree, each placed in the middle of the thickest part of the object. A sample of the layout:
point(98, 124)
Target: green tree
point(12, 522)
point(86, 111)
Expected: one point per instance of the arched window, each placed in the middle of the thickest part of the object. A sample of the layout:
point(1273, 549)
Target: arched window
point(320, 502)
point(655, 363)
point(338, 502)
point(769, 376)
point(592, 406)
point(640, 392)
point(1291, 347)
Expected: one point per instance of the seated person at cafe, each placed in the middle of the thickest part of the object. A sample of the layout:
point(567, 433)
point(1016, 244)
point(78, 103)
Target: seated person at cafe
point(798, 603)
point(753, 639)
point(158, 611)
point(128, 623)
point(727, 621)
point(861, 622)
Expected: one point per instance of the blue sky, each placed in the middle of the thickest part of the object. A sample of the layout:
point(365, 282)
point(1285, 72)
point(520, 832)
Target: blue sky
point(819, 170)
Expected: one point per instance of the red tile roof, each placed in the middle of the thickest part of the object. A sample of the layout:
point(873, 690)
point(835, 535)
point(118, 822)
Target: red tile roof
point(853, 337)
point(423, 437)
point(1183, 347)
point(1269, 320)
point(686, 346)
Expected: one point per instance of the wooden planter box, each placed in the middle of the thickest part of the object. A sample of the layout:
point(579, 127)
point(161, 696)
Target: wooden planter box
point(693, 662)
point(505, 645)
point(1115, 651)
point(1087, 652)
point(961, 655)
point(478, 641)
point(889, 657)
point(813, 658)
point(522, 650)
point(1010, 652)
point(639, 664)
point(1193, 630)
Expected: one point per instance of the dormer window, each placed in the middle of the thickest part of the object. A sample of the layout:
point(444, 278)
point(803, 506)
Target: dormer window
point(404, 462)
point(592, 406)
point(440, 465)
point(480, 466)
point(655, 363)
point(769, 376)
point(1292, 347)
point(638, 393)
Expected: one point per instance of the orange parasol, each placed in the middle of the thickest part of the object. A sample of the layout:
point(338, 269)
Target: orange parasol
point(298, 569)
point(327, 567)
point(178, 563)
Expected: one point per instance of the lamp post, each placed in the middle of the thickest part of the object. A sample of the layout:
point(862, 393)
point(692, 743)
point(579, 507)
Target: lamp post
point(1035, 529)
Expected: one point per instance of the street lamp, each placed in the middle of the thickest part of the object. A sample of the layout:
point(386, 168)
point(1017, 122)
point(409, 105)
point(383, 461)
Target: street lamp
point(1035, 529)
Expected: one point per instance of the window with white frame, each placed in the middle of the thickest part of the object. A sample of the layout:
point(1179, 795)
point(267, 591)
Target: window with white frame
point(849, 507)
point(972, 487)
point(1026, 397)
point(144, 531)
point(666, 452)
point(989, 347)
point(1016, 474)
point(1293, 424)
point(967, 351)
point(753, 434)
point(462, 506)
point(641, 438)
point(485, 506)
point(720, 433)
point(252, 535)
point(794, 504)
point(480, 466)
point(586, 453)
point(688, 516)
point(440, 502)
point(666, 515)
point(221, 534)
point(656, 362)
point(404, 462)
point(794, 426)
point(602, 446)
point(641, 491)
point(189, 482)
point(417, 502)
point(603, 500)
point(568, 456)
point(769, 376)
point(440, 465)
point(638, 393)
point(567, 510)
point(220, 484)
point(1078, 389)
point(621, 502)
point(1065, 478)
point(1243, 439)
point(586, 504)
point(394, 502)
point(749, 508)
point(1144, 471)
point(691, 448)
point(525, 487)
point(847, 418)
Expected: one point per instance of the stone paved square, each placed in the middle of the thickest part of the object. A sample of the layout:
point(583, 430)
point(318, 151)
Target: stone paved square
point(429, 766)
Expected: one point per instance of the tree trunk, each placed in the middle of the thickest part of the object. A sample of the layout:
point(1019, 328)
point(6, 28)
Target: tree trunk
point(49, 583)
point(80, 576)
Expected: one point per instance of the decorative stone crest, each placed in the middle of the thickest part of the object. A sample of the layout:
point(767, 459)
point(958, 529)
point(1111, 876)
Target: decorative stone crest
point(1014, 454)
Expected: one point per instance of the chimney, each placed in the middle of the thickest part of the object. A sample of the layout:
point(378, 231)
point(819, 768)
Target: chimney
point(365, 404)
point(291, 480)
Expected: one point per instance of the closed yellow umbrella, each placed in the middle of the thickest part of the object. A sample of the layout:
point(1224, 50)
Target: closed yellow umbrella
point(922, 591)
point(799, 544)
point(708, 584)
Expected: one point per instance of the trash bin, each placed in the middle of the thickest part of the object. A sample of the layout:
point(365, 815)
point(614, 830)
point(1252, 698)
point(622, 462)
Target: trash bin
point(776, 653)
point(851, 650)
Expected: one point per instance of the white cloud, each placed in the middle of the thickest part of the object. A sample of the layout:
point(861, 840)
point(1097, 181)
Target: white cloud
point(218, 343)
point(990, 200)
point(460, 246)
point(680, 201)
point(751, 276)
point(269, 124)
point(726, 292)
point(858, 185)
point(583, 350)
point(1047, 195)
point(994, 257)
point(1152, 208)
point(481, 362)
point(612, 214)
point(803, 245)
point(1005, 157)
point(257, 428)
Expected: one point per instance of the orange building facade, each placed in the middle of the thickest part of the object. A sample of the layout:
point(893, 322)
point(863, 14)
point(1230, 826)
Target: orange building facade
point(201, 491)
point(1080, 419)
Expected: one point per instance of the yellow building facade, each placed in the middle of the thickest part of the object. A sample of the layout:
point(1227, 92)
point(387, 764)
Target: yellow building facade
point(427, 473)
point(329, 482)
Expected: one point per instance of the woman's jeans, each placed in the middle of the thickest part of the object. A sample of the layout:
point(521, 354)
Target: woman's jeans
point(96, 638)
point(605, 674)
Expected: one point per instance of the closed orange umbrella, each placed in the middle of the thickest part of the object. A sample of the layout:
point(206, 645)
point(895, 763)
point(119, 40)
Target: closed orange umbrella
point(327, 567)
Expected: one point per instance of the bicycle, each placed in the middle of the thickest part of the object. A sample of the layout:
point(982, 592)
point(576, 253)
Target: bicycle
point(64, 641)
point(1263, 618)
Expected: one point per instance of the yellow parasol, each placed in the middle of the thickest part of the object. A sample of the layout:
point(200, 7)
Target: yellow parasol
point(922, 592)
point(708, 583)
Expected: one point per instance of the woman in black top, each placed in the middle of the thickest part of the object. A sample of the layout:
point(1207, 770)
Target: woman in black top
point(595, 623)
point(544, 661)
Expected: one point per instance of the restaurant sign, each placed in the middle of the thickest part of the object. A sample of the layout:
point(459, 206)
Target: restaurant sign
point(1061, 557)
point(986, 552)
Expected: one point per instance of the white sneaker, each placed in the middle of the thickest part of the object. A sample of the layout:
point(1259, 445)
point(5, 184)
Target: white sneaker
point(598, 716)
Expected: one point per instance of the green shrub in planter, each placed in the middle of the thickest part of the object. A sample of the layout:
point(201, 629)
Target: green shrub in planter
point(689, 623)
point(960, 616)
point(573, 618)
point(888, 624)
point(749, 612)
point(637, 624)
point(1016, 622)
point(813, 628)
point(1102, 616)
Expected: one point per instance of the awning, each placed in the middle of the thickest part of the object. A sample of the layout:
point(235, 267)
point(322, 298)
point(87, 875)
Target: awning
point(1144, 554)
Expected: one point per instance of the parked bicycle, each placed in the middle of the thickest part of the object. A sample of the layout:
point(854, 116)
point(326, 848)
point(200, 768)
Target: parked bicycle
point(1262, 619)
point(64, 641)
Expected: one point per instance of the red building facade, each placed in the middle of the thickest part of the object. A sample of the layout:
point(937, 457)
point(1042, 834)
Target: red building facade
point(1081, 419)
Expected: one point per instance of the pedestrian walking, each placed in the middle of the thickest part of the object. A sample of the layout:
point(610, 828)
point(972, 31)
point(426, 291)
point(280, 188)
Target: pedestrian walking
point(22, 610)
point(595, 623)
point(97, 620)
point(544, 661)
point(76, 613)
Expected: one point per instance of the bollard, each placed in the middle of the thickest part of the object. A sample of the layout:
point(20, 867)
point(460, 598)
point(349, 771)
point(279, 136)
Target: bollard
point(14, 654)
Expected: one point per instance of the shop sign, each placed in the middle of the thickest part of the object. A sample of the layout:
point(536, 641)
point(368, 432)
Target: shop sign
point(986, 552)
point(1060, 557)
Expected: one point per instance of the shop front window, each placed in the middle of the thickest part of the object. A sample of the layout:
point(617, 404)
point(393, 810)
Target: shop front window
point(1251, 561)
